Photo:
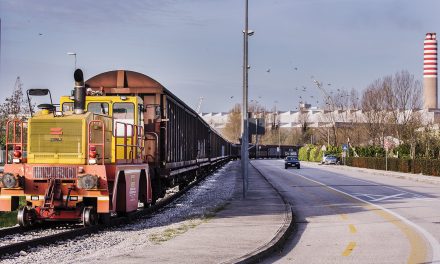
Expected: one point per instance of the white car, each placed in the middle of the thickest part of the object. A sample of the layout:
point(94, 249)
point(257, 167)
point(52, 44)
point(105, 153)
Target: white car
point(329, 159)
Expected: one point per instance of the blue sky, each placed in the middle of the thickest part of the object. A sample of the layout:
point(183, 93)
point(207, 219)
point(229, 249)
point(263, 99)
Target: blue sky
point(194, 47)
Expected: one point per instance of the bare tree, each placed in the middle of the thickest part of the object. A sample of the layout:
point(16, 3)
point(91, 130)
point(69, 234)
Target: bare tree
point(405, 100)
point(374, 106)
point(306, 132)
point(232, 129)
point(390, 106)
point(354, 99)
point(14, 107)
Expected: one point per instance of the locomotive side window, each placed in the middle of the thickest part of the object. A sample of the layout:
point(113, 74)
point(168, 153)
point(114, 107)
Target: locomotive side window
point(140, 115)
point(98, 108)
point(67, 107)
point(123, 113)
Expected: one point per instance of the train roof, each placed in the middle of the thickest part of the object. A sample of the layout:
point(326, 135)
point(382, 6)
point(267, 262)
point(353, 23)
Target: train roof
point(112, 81)
point(131, 82)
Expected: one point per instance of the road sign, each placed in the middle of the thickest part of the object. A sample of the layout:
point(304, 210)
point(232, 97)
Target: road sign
point(388, 144)
point(344, 147)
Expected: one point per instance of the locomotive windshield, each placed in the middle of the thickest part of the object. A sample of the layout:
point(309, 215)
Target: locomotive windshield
point(123, 113)
point(98, 108)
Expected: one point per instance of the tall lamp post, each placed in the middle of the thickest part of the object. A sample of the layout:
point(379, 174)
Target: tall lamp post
point(72, 54)
point(244, 112)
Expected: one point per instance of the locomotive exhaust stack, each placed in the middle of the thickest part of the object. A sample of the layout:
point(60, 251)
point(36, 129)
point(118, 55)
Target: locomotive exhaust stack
point(79, 101)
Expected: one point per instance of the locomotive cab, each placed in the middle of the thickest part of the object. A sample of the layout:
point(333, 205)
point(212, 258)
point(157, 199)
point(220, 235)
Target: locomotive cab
point(126, 121)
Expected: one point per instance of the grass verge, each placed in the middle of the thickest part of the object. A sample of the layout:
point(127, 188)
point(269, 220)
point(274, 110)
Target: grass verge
point(8, 219)
point(170, 233)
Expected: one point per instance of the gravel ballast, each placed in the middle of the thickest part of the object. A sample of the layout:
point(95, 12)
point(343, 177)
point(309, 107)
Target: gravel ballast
point(189, 211)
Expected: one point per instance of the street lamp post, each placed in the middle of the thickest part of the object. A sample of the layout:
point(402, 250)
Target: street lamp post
point(256, 137)
point(244, 112)
point(72, 54)
point(279, 138)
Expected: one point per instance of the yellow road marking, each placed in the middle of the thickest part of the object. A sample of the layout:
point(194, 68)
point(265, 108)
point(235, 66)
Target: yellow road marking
point(349, 249)
point(352, 228)
point(418, 251)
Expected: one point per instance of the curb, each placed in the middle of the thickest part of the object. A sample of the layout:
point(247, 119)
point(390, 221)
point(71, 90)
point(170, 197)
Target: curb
point(276, 244)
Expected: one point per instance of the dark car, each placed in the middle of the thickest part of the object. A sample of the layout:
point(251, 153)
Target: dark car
point(291, 161)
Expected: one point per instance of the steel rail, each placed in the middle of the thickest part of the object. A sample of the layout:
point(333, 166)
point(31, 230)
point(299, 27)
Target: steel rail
point(76, 232)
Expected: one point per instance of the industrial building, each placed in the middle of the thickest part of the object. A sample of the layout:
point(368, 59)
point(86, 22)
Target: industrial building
point(315, 117)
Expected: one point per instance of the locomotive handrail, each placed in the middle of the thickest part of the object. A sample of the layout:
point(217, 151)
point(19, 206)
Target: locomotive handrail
point(89, 137)
point(14, 143)
point(136, 142)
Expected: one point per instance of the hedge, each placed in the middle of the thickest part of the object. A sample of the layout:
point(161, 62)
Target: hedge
point(424, 166)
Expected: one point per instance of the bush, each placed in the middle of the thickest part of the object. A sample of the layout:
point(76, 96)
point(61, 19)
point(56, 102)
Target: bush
point(404, 150)
point(310, 153)
point(303, 153)
point(315, 154)
point(370, 151)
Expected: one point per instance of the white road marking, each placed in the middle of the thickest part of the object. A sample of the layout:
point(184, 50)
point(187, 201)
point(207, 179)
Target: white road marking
point(370, 196)
point(385, 186)
point(435, 245)
point(387, 197)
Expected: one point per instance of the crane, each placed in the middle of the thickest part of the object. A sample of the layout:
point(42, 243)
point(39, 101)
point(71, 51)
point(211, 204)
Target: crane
point(199, 105)
point(333, 106)
point(327, 97)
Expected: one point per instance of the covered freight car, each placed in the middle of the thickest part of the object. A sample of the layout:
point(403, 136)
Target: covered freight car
point(273, 151)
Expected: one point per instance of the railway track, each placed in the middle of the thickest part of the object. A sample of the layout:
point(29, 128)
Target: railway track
point(16, 239)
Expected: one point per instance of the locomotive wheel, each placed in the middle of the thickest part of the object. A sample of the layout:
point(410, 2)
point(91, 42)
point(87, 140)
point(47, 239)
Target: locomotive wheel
point(104, 218)
point(26, 216)
point(89, 216)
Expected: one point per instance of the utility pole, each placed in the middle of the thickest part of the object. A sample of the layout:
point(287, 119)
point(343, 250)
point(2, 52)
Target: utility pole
point(244, 112)
point(256, 137)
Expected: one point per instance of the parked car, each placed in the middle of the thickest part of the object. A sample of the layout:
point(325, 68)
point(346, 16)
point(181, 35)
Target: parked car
point(330, 159)
point(291, 161)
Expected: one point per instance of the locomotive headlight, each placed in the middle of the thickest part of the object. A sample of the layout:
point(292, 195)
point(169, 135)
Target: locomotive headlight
point(88, 181)
point(9, 181)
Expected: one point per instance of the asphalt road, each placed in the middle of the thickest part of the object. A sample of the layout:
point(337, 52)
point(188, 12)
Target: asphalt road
point(348, 216)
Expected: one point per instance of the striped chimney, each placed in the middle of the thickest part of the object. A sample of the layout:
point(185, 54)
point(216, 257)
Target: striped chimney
point(430, 71)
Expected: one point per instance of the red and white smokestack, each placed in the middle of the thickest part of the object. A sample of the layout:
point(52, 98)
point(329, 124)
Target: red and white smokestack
point(430, 71)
